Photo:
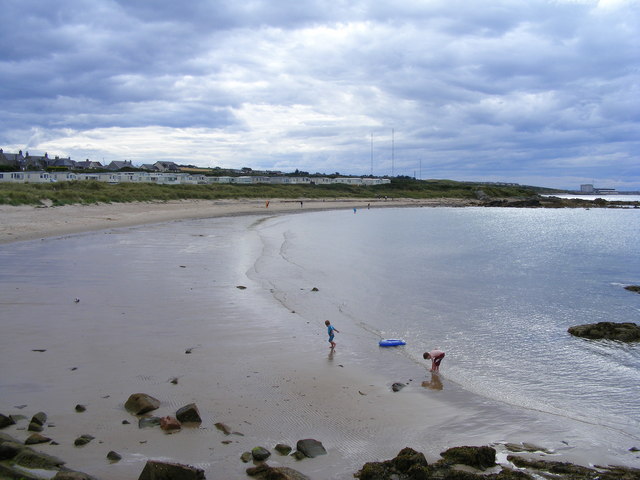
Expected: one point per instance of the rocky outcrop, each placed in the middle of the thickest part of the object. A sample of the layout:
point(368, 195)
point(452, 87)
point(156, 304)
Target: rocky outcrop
point(6, 421)
point(141, 403)
point(624, 332)
point(267, 472)
point(477, 457)
point(154, 470)
point(633, 288)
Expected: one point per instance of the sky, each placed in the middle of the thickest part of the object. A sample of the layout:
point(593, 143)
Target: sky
point(536, 92)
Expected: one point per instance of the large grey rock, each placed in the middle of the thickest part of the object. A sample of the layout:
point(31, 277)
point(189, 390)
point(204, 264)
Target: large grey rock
point(141, 403)
point(310, 448)
point(36, 438)
point(155, 470)
point(189, 414)
point(32, 459)
point(267, 472)
point(40, 418)
point(260, 454)
point(6, 421)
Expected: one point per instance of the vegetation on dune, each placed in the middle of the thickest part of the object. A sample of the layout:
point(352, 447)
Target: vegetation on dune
point(88, 192)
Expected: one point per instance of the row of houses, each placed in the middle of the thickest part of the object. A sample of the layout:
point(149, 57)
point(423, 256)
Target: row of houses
point(26, 162)
point(165, 178)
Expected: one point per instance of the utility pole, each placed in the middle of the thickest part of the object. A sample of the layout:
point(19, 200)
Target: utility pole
point(392, 150)
point(372, 154)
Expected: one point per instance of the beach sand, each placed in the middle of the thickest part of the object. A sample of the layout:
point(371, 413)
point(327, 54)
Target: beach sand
point(264, 371)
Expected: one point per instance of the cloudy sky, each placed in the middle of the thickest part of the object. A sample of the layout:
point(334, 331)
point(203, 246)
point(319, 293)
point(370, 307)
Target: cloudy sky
point(538, 92)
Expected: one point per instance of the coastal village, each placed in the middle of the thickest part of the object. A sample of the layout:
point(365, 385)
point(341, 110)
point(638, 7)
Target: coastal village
point(25, 168)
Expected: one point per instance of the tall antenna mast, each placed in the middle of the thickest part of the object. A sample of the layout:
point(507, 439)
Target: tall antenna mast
point(372, 154)
point(392, 149)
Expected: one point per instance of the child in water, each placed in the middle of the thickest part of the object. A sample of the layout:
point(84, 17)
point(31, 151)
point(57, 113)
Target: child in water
point(330, 330)
point(436, 357)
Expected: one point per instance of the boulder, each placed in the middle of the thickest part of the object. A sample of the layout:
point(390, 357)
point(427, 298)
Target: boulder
point(283, 449)
point(141, 403)
point(396, 387)
point(39, 418)
point(260, 454)
point(266, 472)
point(477, 457)
point(223, 428)
point(36, 438)
point(81, 408)
point(83, 440)
point(35, 427)
point(6, 421)
point(189, 414)
point(246, 457)
point(311, 448)
point(9, 450)
point(633, 288)
point(169, 424)
point(155, 470)
point(114, 456)
point(624, 332)
point(31, 459)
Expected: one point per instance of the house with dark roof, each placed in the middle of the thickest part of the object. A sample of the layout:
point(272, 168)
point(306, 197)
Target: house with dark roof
point(166, 167)
point(118, 165)
point(11, 160)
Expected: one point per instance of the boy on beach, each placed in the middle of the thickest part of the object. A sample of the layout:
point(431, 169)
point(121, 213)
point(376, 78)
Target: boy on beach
point(330, 330)
point(436, 357)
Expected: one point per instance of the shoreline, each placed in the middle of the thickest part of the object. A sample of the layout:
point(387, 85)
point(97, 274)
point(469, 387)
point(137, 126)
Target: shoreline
point(20, 223)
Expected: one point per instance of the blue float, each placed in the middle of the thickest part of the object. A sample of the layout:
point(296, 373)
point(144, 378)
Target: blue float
point(392, 342)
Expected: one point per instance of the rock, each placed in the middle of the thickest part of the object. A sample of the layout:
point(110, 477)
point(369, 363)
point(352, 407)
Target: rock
point(633, 288)
point(315, 289)
point(260, 454)
point(298, 455)
point(114, 456)
point(477, 457)
point(141, 403)
point(35, 427)
point(6, 421)
point(241, 287)
point(266, 472)
point(223, 428)
point(9, 450)
point(70, 475)
point(31, 459)
point(311, 448)
point(7, 472)
point(39, 418)
point(83, 440)
point(169, 424)
point(408, 458)
point(396, 387)
point(36, 438)
point(283, 449)
point(246, 457)
point(624, 332)
point(189, 414)
point(155, 470)
point(149, 422)
point(80, 408)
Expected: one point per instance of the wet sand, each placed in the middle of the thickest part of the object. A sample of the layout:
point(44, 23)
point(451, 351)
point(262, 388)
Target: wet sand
point(149, 294)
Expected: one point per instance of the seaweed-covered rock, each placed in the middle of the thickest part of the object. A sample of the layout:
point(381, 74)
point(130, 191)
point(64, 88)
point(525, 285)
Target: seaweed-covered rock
point(141, 403)
point(36, 438)
point(154, 470)
point(633, 288)
point(266, 472)
point(408, 458)
point(477, 457)
point(83, 440)
point(283, 449)
point(624, 332)
point(260, 454)
point(6, 421)
point(31, 459)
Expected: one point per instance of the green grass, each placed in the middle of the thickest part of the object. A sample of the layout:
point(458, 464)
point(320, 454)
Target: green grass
point(90, 192)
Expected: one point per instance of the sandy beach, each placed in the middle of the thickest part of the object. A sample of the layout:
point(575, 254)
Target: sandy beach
point(28, 223)
point(188, 325)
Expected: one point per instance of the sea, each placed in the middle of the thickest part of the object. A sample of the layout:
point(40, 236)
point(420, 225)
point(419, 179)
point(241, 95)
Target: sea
point(495, 288)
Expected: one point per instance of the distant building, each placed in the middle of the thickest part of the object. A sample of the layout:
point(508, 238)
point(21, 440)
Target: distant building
point(586, 188)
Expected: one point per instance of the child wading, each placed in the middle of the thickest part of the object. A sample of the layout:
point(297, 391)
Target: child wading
point(330, 330)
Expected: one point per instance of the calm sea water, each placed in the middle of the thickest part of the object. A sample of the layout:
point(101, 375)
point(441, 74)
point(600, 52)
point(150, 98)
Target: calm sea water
point(494, 288)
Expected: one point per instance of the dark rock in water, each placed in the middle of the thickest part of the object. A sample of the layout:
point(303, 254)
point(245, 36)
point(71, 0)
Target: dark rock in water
point(81, 408)
point(154, 470)
point(633, 288)
point(298, 455)
point(36, 438)
point(408, 458)
point(114, 456)
point(31, 459)
point(70, 475)
point(315, 289)
point(283, 449)
point(624, 332)
point(82, 440)
point(311, 448)
point(141, 403)
point(407, 464)
point(396, 387)
point(260, 454)
point(9, 450)
point(223, 428)
point(246, 457)
point(241, 287)
point(266, 472)
point(5, 421)
point(35, 427)
point(148, 422)
point(39, 418)
point(478, 457)
point(543, 468)
point(169, 424)
point(189, 414)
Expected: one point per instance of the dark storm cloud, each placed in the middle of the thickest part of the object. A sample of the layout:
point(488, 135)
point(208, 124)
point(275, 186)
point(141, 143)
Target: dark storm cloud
point(536, 91)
